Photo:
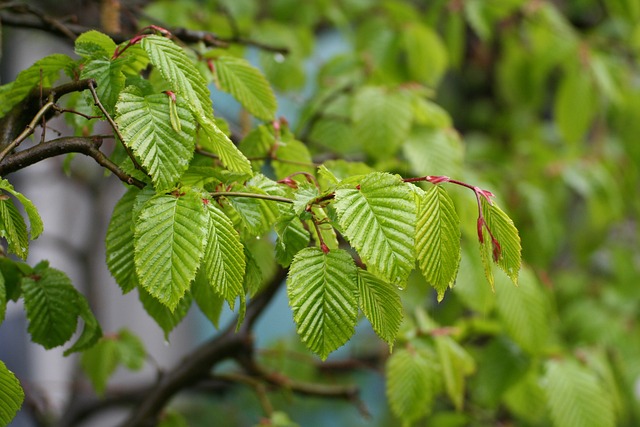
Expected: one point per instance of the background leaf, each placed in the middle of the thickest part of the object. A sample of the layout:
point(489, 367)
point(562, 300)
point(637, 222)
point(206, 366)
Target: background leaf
point(322, 294)
point(165, 318)
point(379, 220)
point(100, 362)
point(413, 380)
point(169, 242)
point(247, 84)
point(382, 119)
point(575, 396)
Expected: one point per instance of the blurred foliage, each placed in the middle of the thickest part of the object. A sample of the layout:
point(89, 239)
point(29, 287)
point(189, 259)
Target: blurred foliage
point(538, 101)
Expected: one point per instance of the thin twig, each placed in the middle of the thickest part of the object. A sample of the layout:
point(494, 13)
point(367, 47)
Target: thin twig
point(29, 129)
point(251, 195)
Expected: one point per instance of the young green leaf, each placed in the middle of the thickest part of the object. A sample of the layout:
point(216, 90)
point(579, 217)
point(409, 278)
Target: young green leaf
point(99, 362)
point(381, 304)
point(216, 141)
point(169, 241)
point(119, 242)
point(379, 220)
point(11, 395)
point(576, 397)
point(208, 300)
point(223, 263)
point(382, 120)
point(177, 69)
point(292, 238)
point(426, 54)
point(109, 77)
point(43, 72)
point(91, 331)
point(145, 123)
point(32, 212)
point(94, 44)
point(506, 247)
point(13, 227)
point(437, 238)
point(165, 318)
point(322, 294)
point(131, 352)
point(303, 195)
point(247, 84)
point(51, 303)
point(413, 381)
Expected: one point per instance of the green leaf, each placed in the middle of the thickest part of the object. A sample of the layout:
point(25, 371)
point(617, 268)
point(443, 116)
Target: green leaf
point(382, 120)
point(169, 242)
point(413, 380)
point(208, 300)
point(146, 125)
point(279, 419)
point(456, 365)
point(223, 263)
point(426, 54)
point(94, 43)
point(575, 105)
point(379, 220)
point(291, 156)
point(437, 238)
point(525, 311)
point(434, 151)
point(247, 84)
point(52, 307)
point(506, 235)
point(322, 294)
point(119, 242)
point(303, 195)
point(216, 141)
point(165, 318)
point(13, 228)
point(381, 304)
point(177, 69)
point(11, 395)
point(292, 238)
point(99, 362)
point(109, 77)
point(91, 331)
point(575, 396)
point(172, 419)
point(43, 72)
point(32, 212)
point(12, 272)
point(131, 352)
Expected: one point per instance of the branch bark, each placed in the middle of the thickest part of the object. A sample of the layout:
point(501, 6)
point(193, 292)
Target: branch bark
point(197, 365)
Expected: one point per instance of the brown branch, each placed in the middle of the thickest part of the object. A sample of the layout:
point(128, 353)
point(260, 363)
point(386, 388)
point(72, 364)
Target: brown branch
point(31, 18)
point(88, 146)
point(197, 365)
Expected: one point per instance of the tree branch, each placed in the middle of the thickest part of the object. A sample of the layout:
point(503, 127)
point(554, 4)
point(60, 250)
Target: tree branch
point(196, 366)
point(88, 146)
